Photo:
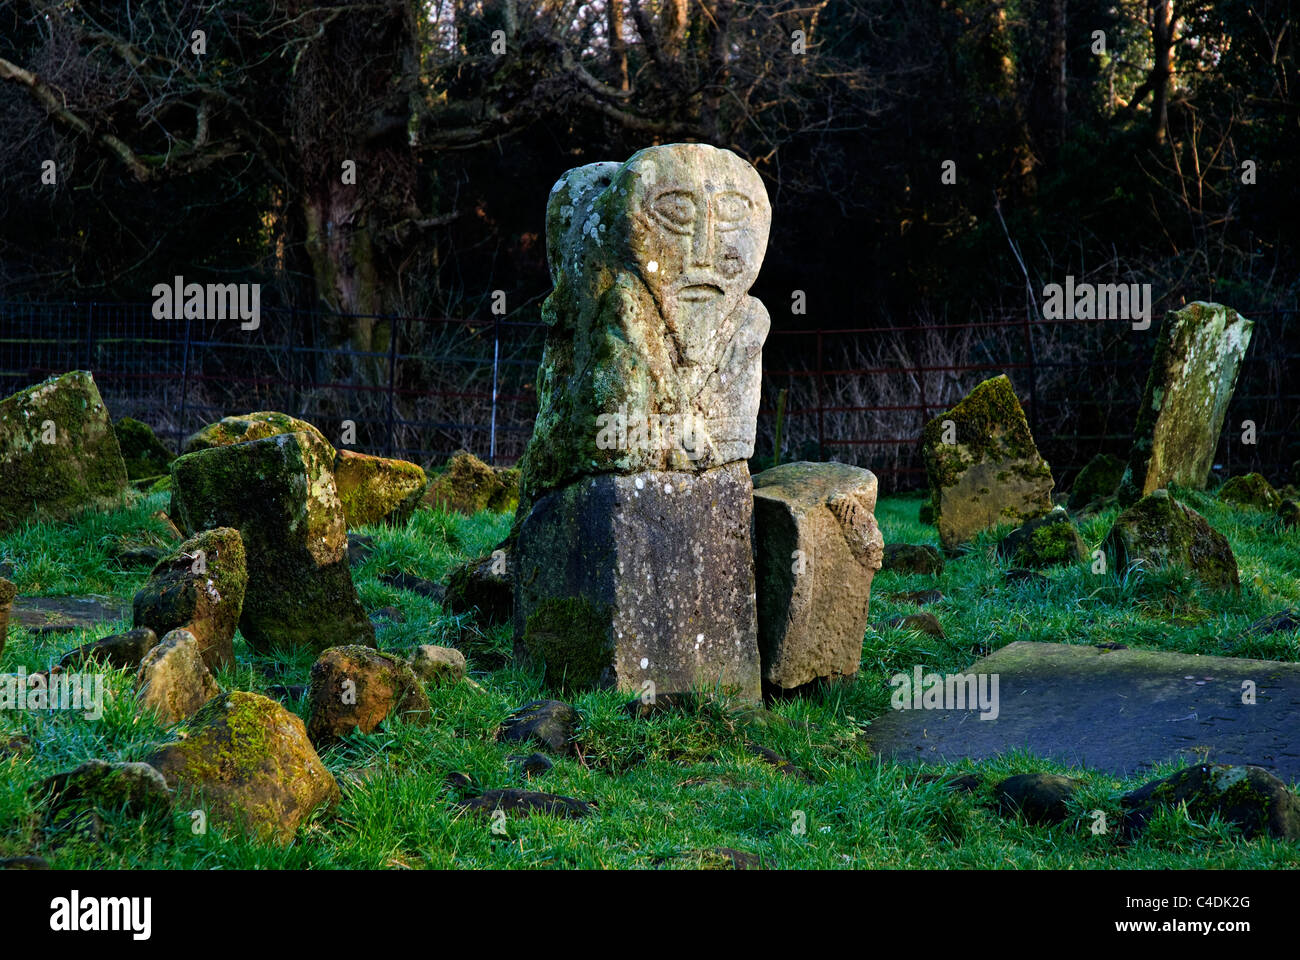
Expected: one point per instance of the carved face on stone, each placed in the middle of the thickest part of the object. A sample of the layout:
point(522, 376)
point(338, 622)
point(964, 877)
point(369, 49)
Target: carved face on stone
point(697, 220)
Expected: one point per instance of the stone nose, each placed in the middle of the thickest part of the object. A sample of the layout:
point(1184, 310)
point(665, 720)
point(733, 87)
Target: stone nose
point(702, 236)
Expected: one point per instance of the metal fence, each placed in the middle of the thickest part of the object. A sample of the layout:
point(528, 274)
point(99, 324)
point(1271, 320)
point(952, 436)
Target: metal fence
point(860, 395)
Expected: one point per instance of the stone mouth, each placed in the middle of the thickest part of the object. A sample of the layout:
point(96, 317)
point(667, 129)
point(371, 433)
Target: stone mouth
point(696, 292)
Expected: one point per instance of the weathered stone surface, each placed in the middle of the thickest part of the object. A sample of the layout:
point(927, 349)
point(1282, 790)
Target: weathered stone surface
point(467, 485)
point(1098, 480)
point(377, 489)
point(1158, 531)
point(46, 615)
point(533, 765)
point(1119, 711)
point(817, 546)
point(624, 580)
point(121, 651)
point(1288, 513)
point(279, 494)
point(142, 452)
point(98, 786)
point(912, 558)
point(1250, 490)
point(1041, 798)
point(356, 688)
point(438, 665)
point(1248, 796)
point(7, 593)
point(484, 585)
point(650, 317)
point(1044, 542)
point(199, 588)
point(58, 452)
point(1193, 374)
point(246, 761)
point(552, 723)
point(251, 426)
point(991, 473)
point(173, 680)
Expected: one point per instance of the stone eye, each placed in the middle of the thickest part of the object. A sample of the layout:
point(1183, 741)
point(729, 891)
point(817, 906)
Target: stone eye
point(676, 209)
point(732, 209)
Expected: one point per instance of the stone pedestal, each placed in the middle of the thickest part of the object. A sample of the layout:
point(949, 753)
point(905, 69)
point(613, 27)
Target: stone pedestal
point(646, 578)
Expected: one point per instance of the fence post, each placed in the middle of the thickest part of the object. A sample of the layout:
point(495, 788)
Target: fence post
point(496, 364)
point(393, 330)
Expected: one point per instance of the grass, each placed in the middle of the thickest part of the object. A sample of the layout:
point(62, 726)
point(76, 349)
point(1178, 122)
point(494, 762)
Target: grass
point(671, 788)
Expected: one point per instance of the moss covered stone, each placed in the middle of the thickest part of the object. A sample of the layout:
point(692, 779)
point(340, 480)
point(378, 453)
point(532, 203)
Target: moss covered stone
point(1158, 531)
point(199, 587)
point(1193, 374)
point(250, 426)
point(482, 586)
point(570, 637)
point(357, 688)
point(377, 489)
point(1250, 490)
point(1288, 513)
point(1044, 542)
point(1098, 480)
point(247, 762)
point(279, 494)
point(991, 472)
point(142, 451)
point(467, 485)
point(912, 558)
point(1249, 797)
point(173, 681)
point(58, 452)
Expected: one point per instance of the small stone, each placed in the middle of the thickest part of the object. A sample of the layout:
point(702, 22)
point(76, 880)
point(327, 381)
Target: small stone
point(912, 558)
point(97, 786)
point(438, 665)
point(377, 489)
point(357, 688)
point(524, 803)
point(482, 585)
point(1042, 798)
point(925, 622)
point(251, 426)
point(121, 651)
point(1045, 541)
point(1248, 796)
point(173, 681)
point(533, 765)
point(137, 555)
point(467, 485)
point(551, 723)
point(1288, 512)
point(1251, 490)
point(1096, 482)
point(1158, 531)
point(142, 452)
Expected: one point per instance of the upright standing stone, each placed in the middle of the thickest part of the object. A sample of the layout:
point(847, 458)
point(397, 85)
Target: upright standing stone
point(58, 451)
point(982, 465)
point(1193, 374)
point(818, 548)
point(633, 562)
point(279, 494)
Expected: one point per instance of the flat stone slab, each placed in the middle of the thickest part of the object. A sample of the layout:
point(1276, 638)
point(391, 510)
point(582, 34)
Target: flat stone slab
point(1118, 711)
point(65, 614)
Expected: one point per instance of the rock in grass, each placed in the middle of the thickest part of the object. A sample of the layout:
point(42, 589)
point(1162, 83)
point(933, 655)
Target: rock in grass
point(467, 485)
point(1250, 490)
point(58, 452)
point(533, 765)
point(1158, 531)
point(173, 680)
point(438, 665)
point(97, 787)
point(924, 622)
point(377, 489)
point(817, 547)
point(247, 763)
point(1248, 796)
point(912, 558)
point(1041, 798)
point(1288, 513)
point(982, 465)
point(279, 494)
point(142, 452)
point(551, 723)
point(1097, 481)
point(357, 688)
point(251, 426)
point(524, 803)
point(120, 651)
point(483, 585)
point(199, 587)
point(1193, 374)
point(1044, 542)
point(7, 593)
